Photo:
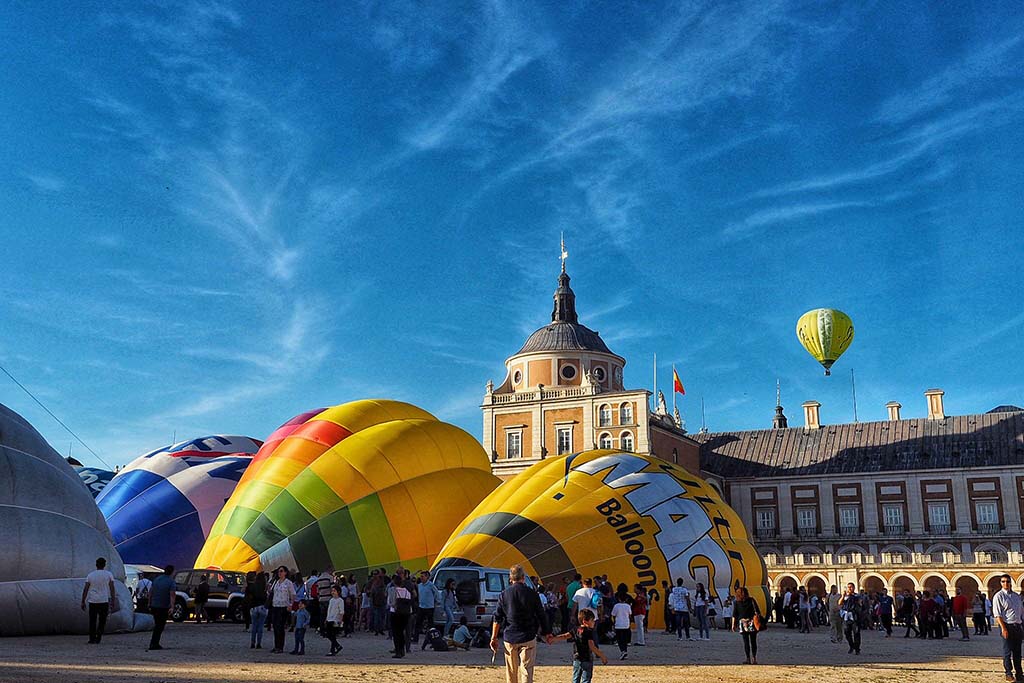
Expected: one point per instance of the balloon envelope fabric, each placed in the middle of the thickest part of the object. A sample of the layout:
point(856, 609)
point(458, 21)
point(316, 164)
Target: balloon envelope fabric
point(161, 507)
point(633, 517)
point(95, 478)
point(51, 535)
point(364, 484)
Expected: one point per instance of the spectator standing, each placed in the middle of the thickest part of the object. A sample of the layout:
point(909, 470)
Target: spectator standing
point(334, 617)
point(99, 594)
point(680, 599)
point(803, 610)
point(908, 609)
point(727, 608)
point(200, 597)
point(282, 595)
point(746, 615)
point(622, 616)
point(960, 605)
point(670, 620)
point(401, 610)
point(428, 599)
point(700, 611)
point(323, 590)
point(142, 590)
point(835, 621)
point(978, 614)
point(1008, 610)
point(640, 614)
point(851, 609)
point(584, 647)
point(301, 623)
point(161, 598)
point(520, 614)
point(885, 608)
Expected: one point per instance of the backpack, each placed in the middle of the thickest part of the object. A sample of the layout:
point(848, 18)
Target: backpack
point(403, 605)
point(595, 601)
point(437, 643)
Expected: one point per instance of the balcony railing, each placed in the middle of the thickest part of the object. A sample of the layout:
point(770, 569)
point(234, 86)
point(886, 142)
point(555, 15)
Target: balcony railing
point(894, 530)
point(847, 531)
point(765, 533)
point(807, 532)
point(989, 529)
point(940, 529)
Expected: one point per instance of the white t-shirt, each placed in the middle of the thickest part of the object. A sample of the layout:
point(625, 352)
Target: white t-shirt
point(583, 597)
point(677, 599)
point(623, 614)
point(697, 600)
point(99, 581)
point(143, 588)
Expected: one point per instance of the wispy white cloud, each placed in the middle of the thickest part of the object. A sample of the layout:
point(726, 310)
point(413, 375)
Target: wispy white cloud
point(45, 182)
point(983, 66)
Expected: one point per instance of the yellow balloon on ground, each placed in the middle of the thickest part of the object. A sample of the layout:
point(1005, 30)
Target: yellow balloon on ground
point(361, 485)
point(633, 517)
point(826, 333)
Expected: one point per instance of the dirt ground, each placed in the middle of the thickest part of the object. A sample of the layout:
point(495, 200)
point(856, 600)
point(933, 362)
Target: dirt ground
point(212, 653)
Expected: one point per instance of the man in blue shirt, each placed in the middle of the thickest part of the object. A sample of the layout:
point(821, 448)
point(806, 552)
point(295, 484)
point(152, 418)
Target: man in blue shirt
point(429, 596)
point(885, 605)
point(161, 599)
point(521, 614)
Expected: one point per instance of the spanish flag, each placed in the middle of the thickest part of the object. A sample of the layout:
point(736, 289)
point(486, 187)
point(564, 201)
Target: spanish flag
point(677, 383)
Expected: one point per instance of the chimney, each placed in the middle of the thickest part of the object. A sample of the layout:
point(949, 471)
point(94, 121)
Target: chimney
point(894, 410)
point(811, 418)
point(935, 408)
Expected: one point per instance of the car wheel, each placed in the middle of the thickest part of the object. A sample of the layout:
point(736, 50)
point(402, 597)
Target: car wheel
point(235, 611)
point(180, 611)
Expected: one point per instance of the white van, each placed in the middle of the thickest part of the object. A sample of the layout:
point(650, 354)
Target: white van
point(476, 589)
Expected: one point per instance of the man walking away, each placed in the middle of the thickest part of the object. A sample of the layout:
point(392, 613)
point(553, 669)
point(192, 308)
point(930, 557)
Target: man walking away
point(1008, 609)
point(142, 591)
point(99, 592)
point(680, 599)
point(521, 615)
point(907, 610)
point(885, 607)
point(851, 609)
point(960, 605)
point(161, 598)
point(835, 622)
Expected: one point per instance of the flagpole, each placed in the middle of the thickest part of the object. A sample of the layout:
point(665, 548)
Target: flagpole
point(655, 395)
point(673, 388)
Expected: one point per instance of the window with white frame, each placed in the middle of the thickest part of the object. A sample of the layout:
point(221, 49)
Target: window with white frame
point(765, 518)
point(849, 517)
point(564, 440)
point(604, 416)
point(604, 441)
point(986, 512)
point(806, 519)
point(514, 444)
point(892, 516)
point(626, 414)
point(626, 442)
point(938, 514)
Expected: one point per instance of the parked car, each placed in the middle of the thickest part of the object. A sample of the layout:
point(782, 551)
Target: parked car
point(476, 589)
point(226, 592)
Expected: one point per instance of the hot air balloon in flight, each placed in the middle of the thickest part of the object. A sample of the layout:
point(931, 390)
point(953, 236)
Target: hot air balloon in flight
point(826, 333)
point(161, 507)
point(634, 517)
point(361, 485)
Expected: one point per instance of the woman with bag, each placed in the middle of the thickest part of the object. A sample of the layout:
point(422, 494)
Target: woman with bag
point(748, 621)
point(282, 596)
point(400, 606)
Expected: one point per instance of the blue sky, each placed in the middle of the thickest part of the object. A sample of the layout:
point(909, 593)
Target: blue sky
point(216, 216)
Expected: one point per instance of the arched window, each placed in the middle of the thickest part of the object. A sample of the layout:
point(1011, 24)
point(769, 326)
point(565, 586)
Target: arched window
point(604, 441)
point(626, 442)
point(626, 414)
point(604, 416)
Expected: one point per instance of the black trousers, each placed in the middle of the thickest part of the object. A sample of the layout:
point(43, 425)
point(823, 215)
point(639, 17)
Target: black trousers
point(622, 638)
point(908, 617)
point(887, 624)
point(749, 643)
point(852, 631)
point(279, 618)
point(159, 621)
point(399, 623)
point(98, 612)
point(424, 617)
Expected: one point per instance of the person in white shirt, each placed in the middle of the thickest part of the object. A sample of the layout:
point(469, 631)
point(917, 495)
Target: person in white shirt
point(700, 612)
point(584, 596)
point(679, 598)
point(1008, 609)
point(334, 619)
point(622, 616)
point(100, 596)
point(283, 595)
point(142, 590)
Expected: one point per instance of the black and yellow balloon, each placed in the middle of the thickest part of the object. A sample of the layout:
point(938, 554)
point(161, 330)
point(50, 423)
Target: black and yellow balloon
point(636, 518)
point(826, 333)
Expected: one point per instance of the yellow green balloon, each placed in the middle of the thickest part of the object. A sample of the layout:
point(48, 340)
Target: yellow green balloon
point(826, 333)
point(361, 485)
point(636, 518)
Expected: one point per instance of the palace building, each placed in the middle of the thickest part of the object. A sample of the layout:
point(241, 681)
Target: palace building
point(563, 392)
point(920, 503)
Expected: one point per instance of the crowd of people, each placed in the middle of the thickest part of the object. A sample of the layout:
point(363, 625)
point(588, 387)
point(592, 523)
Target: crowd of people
point(586, 611)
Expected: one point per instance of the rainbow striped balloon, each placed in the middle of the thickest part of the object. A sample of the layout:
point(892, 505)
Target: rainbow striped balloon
point(364, 484)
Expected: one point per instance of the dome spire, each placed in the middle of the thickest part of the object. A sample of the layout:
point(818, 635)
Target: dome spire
point(565, 298)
